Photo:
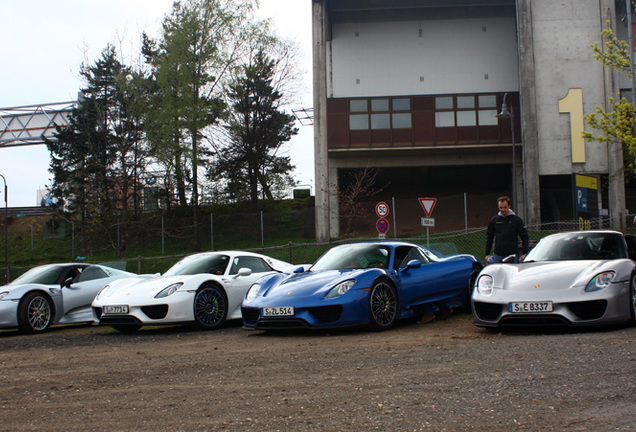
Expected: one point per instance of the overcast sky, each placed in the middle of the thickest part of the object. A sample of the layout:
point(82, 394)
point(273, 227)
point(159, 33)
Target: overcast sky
point(44, 42)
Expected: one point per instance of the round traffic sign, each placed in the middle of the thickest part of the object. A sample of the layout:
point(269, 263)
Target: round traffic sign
point(382, 209)
point(382, 225)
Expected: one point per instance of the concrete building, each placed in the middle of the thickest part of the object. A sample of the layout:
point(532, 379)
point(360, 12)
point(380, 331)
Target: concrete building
point(414, 87)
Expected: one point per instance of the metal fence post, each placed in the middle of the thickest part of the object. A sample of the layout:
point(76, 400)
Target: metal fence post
point(394, 218)
point(465, 215)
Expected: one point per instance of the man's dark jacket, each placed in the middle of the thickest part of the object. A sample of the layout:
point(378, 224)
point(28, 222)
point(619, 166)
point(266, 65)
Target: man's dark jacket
point(504, 231)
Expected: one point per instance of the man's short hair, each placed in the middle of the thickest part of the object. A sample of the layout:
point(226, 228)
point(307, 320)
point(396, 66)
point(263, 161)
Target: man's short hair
point(504, 198)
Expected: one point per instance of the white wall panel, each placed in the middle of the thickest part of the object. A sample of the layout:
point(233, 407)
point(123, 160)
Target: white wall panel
point(423, 57)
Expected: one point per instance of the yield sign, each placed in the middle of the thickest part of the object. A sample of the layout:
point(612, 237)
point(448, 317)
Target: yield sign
point(428, 204)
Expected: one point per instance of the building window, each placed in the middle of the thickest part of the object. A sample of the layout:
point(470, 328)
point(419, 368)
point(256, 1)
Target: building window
point(358, 105)
point(466, 118)
point(445, 119)
point(487, 117)
point(358, 121)
point(380, 113)
point(462, 111)
point(402, 121)
point(401, 104)
point(380, 121)
point(379, 105)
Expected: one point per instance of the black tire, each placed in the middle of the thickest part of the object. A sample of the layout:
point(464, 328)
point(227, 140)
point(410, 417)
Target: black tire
point(210, 307)
point(632, 301)
point(383, 305)
point(35, 313)
point(126, 328)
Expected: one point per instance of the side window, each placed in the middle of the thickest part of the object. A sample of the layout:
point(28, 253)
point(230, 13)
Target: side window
point(400, 254)
point(91, 273)
point(410, 253)
point(257, 265)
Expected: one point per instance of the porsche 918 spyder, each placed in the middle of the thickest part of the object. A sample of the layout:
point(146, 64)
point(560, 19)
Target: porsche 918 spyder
point(362, 284)
point(581, 278)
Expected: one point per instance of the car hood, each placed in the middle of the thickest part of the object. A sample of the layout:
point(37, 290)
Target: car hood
point(544, 276)
point(310, 283)
point(134, 288)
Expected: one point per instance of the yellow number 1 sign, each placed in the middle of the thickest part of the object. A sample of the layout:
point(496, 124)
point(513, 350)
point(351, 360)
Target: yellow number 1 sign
point(573, 104)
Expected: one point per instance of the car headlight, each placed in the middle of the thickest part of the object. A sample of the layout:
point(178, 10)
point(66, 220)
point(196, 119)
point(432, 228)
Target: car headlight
point(170, 289)
point(102, 293)
point(484, 285)
point(253, 291)
point(600, 281)
point(340, 289)
point(3, 294)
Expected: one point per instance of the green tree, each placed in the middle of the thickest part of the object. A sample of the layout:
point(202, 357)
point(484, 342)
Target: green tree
point(619, 123)
point(201, 40)
point(97, 159)
point(257, 128)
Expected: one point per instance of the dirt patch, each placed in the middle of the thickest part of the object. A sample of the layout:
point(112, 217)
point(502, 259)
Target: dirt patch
point(442, 376)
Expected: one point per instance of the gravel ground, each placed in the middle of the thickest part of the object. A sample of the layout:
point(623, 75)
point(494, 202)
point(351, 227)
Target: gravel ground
point(442, 376)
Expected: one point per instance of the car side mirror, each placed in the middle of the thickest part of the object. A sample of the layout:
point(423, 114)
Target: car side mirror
point(413, 264)
point(67, 282)
point(244, 271)
point(300, 269)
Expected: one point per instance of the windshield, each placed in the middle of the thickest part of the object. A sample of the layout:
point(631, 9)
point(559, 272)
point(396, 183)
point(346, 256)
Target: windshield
point(99, 272)
point(353, 256)
point(203, 263)
point(578, 246)
point(48, 275)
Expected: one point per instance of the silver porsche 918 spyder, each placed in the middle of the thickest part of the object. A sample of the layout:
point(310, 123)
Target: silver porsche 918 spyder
point(581, 278)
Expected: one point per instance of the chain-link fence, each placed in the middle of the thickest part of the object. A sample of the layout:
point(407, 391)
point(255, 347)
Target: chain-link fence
point(157, 242)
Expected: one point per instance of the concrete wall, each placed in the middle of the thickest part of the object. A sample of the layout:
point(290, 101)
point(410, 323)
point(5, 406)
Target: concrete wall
point(563, 59)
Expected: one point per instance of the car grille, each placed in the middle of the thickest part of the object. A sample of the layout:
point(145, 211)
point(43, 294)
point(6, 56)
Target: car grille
point(155, 312)
point(326, 314)
point(119, 320)
point(250, 315)
point(487, 311)
point(533, 320)
point(278, 324)
point(588, 310)
point(98, 312)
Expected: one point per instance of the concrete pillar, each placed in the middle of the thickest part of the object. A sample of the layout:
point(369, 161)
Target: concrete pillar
point(319, 26)
point(614, 149)
point(529, 131)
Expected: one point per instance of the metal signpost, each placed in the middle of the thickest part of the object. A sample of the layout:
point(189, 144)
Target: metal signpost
point(428, 204)
point(382, 225)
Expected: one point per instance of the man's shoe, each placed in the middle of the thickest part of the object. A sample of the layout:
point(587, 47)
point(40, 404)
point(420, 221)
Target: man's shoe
point(444, 314)
point(427, 318)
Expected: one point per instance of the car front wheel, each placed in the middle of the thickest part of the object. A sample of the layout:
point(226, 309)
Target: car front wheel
point(35, 313)
point(210, 307)
point(383, 305)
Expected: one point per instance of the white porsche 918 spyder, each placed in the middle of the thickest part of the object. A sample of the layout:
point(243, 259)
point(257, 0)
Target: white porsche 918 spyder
point(581, 278)
point(205, 289)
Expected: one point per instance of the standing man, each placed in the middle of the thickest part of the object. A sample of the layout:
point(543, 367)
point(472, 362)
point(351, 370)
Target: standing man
point(504, 229)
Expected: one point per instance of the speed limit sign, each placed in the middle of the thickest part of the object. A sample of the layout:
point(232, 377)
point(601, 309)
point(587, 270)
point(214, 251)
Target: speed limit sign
point(382, 209)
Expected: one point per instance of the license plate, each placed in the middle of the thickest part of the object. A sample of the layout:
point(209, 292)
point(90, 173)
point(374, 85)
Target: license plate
point(119, 309)
point(278, 311)
point(530, 307)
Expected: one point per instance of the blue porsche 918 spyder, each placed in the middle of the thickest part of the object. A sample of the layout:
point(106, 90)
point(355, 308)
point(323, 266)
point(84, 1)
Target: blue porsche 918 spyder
point(370, 284)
